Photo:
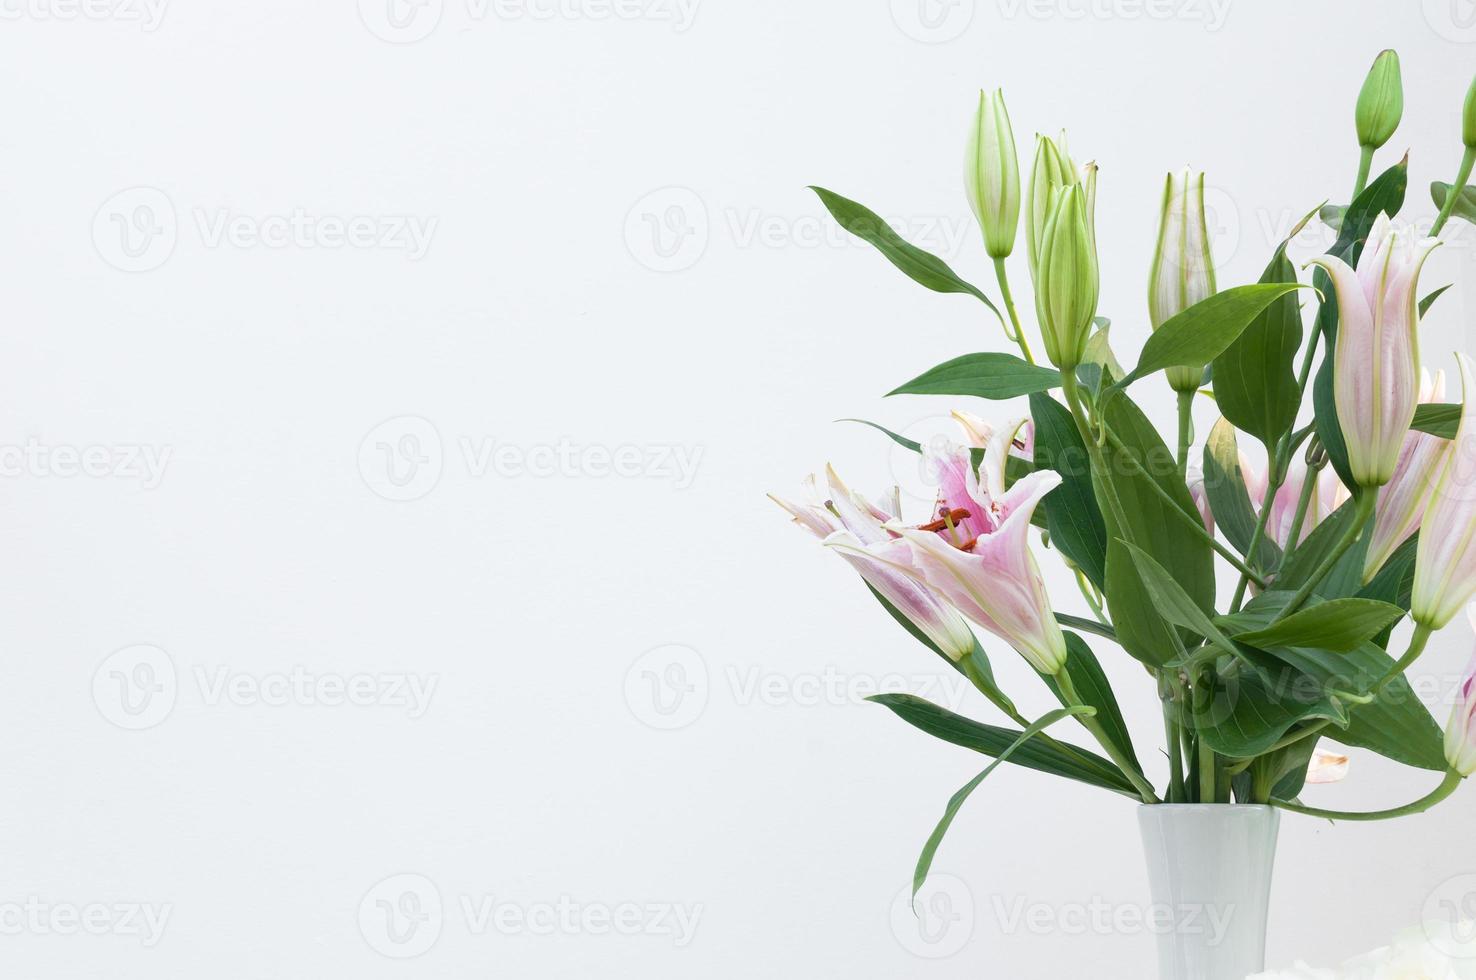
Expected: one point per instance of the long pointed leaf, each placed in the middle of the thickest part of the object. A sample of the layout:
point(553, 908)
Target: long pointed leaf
point(956, 802)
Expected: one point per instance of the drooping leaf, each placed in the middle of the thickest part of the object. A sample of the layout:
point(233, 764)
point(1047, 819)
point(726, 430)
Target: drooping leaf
point(1465, 206)
point(921, 266)
point(1438, 419)
point(1094, 689)
point(1229, 498)
point(990, 375)
point(1339, 625)
point(1202, 332)
point(1131, 469)
point(1250, 714)
point(1173, 603)
point(1255, 382)
point(956, 802)
point(1072, 515)
point(1068, 761)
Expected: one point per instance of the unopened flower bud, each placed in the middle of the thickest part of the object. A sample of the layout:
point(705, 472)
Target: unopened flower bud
point(992, 174)
point(1183, 270)
point(1381, 101)
point(1066, 281)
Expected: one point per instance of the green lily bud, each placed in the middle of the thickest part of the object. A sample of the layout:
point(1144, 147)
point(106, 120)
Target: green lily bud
point(1183, 270)
point(1381, 102)
point(1468, 118)
point(992, 174)
point(1066, 281)
point(1051, 171)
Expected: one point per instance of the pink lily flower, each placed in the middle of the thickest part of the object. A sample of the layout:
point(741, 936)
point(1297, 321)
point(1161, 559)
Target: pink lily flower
point(855, 528)
point(979, 434)
point(1326, 498)
point(977, 553)
point(1445, 565)
point(1374, 366)
point(1403, 501)
point(1460, 733)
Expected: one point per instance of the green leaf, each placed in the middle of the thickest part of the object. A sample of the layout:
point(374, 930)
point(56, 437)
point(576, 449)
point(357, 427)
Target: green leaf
point(1087, 626)
point(1395, 725)
point(922, 267)
point(1202, 332)
point(1437, 419)
point(1254, 381)
point(1339, 625)
point(1229, 498)
point(1094, 689)
point(994, 376)
point(1429, 301)
point(1465, 206)
point(1394, 583)
point(956, 802)
point(1130, 472)
point(1251, 713)
point(1173, 603)
point(1069, 762)
point(1072, 515)
point(1308, 555)
point(1384, 195)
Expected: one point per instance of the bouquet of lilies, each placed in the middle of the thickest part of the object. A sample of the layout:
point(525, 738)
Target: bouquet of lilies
point(1364, 514)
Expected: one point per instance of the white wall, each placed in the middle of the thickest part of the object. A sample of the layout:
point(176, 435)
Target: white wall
point(530, 145)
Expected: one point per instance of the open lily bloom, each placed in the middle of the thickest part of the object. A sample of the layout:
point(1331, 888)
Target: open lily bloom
point(1445, 567)
point(854, 527)
point(977, 553)
point(1404, 499)
point(1375, 366)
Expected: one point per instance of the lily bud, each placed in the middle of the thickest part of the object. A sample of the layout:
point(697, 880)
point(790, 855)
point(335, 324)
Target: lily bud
point(1183, 270)
point(1066, 282)
point(1460, 733)
point(1051, 171)
point(1375, 363)
point(1445, 565)
point(992, 174)
point(1381, 101)
point(1468, 118)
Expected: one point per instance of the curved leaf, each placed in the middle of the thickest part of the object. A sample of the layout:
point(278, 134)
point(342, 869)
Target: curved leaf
point(991, 375)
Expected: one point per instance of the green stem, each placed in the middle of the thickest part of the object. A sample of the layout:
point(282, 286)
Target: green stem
point(1462, 177)
point(1192, 520)
point(1452, 780)
point(1365, 167)
point(1367, 497)
point(1168, 695)
point(1186, 430)
point(1208, 765)
point(1009, 302)
point(1090, 723)
point(1072, 391)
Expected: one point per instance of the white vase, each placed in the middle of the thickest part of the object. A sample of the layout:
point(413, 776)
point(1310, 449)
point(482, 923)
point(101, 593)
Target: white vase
point(1210, 870)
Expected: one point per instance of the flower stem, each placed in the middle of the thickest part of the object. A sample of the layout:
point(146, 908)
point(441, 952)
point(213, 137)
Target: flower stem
point(1464, 175)
point(1365, 166)
point(1091, 724)
point(1186, 430)
point(1452, 780)
point(1367, 497)
point(1009, 302)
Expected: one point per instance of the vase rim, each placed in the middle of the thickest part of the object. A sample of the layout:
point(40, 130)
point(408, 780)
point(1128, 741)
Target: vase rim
point(1181, 807)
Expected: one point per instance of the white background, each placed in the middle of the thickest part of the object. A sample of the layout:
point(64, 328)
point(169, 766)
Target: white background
point(620, 252)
